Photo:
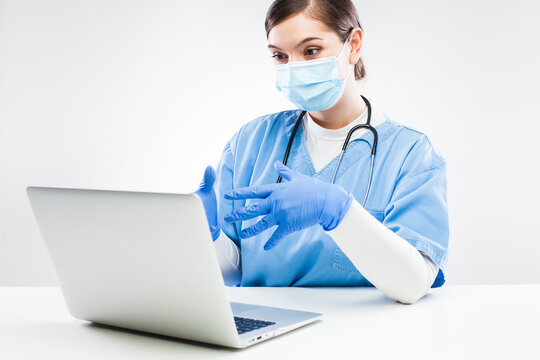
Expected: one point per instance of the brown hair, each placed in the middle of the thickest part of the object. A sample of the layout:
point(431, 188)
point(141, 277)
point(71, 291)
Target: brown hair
point(338, 15)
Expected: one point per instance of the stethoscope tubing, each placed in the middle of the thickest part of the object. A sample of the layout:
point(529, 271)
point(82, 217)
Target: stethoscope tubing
point(367, 125)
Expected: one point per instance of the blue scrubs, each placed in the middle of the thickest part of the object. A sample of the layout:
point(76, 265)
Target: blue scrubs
point(408, 195)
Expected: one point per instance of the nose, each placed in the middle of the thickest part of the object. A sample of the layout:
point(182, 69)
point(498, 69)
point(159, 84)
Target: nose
point(292, 59)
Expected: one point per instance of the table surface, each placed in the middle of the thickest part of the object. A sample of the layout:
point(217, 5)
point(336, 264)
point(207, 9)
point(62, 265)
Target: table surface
point(450, 322)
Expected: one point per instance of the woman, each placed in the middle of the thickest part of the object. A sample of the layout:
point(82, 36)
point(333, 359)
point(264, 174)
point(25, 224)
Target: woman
point(386, 228)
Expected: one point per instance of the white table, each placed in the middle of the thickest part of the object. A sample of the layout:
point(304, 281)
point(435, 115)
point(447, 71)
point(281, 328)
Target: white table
point(452, 322)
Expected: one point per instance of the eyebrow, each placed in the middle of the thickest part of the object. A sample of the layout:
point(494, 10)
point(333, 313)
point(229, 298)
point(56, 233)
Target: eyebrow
point(299, 44)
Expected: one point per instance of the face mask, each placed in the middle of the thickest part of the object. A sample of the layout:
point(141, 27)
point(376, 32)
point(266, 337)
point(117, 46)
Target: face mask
point(312, 85)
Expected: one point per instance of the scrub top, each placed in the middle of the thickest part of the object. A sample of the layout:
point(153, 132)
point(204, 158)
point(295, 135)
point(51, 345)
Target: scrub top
point(407, 195)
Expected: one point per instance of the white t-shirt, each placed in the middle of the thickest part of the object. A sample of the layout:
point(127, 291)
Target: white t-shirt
point(325, 144)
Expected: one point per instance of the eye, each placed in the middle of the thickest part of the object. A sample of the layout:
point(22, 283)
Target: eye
point(310, 52)
point(279, 57)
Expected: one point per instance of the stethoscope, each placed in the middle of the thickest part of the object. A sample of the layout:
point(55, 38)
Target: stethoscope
point(367, 125)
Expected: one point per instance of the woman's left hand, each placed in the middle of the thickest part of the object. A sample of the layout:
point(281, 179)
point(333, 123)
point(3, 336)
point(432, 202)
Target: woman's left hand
point(207, 195)
point(298, 203)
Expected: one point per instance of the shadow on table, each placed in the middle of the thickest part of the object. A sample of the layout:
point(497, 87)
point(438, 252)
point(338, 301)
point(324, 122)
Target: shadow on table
point(149, 337)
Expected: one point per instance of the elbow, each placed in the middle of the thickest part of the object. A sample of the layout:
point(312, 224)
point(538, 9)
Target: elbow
point(410, 297)
point(413, 285)
point(410, 292)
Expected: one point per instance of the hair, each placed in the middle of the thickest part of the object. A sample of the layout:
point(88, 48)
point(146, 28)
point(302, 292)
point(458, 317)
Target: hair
point(339, 15)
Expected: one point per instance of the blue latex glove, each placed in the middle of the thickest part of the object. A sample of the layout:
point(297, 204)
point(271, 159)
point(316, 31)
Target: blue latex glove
point(208, 196)
point(298, 203)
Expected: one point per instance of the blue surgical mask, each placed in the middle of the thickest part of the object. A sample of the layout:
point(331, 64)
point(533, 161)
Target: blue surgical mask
point(312, 85)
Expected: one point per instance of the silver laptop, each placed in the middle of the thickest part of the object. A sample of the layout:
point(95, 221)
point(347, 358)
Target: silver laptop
point(146, 261)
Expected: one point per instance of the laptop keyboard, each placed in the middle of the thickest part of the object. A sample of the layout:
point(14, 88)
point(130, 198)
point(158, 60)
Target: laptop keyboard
point(244, 325)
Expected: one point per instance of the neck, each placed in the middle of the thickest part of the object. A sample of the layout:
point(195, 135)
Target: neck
point(349, 107)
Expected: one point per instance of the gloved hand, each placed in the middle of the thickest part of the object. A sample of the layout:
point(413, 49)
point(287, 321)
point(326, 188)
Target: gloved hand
point(208, 196)
point(298, 203)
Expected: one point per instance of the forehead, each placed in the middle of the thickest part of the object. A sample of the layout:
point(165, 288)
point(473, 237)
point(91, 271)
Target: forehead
point(297, 27)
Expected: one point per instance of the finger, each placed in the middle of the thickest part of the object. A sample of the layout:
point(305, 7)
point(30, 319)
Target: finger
point(208, 180)
point(263, 224)
point(248, 212)
point(276, 237)
point(284, 171)
point(250, 192)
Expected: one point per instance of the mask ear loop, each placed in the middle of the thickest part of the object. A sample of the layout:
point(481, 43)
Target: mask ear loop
point(338, 55)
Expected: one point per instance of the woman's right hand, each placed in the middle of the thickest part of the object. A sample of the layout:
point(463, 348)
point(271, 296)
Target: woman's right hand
point(208, 196)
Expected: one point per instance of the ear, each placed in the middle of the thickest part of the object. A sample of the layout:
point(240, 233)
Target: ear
point(356, 42)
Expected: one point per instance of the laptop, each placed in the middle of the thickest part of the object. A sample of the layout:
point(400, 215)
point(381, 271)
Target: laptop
point(146, 261)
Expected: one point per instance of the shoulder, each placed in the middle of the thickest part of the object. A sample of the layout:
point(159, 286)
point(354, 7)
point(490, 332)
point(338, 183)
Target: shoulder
point(402, 137)
point(269, 121)
point(264, 127)
point(419, 153)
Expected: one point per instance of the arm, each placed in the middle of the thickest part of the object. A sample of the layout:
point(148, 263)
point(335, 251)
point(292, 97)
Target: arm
point(227, 250)
point(415, 220)
point(388, 261)
point(228, 256)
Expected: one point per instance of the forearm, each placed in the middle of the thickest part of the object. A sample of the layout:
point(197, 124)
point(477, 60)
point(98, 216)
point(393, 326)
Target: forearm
point(228, 256)
point(388, 261)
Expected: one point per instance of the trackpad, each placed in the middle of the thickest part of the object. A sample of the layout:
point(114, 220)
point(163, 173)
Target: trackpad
point(239, 308)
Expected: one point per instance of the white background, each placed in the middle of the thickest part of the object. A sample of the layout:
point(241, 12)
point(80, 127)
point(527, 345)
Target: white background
point(142, 95)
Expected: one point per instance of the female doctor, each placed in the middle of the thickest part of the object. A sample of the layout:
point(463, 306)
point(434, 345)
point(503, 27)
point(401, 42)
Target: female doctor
point(372, 215)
